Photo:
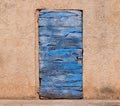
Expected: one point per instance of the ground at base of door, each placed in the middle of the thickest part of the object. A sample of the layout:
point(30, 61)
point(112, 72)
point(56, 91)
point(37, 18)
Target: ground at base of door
point(59, 102)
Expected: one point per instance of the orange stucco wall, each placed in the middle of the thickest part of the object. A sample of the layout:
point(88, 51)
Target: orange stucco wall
point(19, 47)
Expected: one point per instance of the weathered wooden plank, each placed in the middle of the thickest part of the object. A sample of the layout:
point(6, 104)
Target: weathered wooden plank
point(59, 13)
point(59, 31)
point(61, 83)
point(52, 46)
point(64, 51)
point(62, 43)
point(73, 36)
point(70, 35)
point(61, 21)
point(65, 65)
point(69, 77)
point(61, 55)
point(61, 92)
point(74, 94)
point(77, 88)
point(59, 71)
point(62, 80)
point(61, 65)
point(58, 59)
point(78, 12)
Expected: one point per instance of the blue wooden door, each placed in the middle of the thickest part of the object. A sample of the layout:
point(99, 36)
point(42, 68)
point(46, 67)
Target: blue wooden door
point(60, 42)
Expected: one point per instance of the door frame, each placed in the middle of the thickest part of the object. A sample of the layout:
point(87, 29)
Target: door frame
point(37, 69)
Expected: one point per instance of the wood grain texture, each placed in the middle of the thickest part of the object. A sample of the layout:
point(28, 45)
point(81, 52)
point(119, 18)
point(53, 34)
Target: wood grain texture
point(61, 21)
point(60, 13)
point(60, 36)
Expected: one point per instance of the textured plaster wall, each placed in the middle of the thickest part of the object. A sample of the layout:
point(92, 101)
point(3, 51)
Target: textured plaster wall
point(19, 51)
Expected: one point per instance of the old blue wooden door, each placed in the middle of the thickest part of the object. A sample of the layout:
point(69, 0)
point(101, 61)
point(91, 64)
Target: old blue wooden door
point(60, 42)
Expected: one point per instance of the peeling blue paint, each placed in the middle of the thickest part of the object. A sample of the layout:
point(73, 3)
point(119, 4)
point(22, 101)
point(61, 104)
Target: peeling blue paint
point(60, 36)
point(59, 13)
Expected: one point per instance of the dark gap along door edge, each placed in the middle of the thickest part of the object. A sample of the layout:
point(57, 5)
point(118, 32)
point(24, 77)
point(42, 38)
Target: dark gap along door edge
point(61, 54)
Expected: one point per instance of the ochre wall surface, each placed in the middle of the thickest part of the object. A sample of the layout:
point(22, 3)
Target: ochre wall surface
point(19, 70)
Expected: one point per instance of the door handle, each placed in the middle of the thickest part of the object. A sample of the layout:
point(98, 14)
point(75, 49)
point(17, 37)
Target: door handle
point(79, 59)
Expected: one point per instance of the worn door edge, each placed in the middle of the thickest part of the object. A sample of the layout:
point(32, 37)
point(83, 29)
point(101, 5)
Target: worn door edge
point(37, 87)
